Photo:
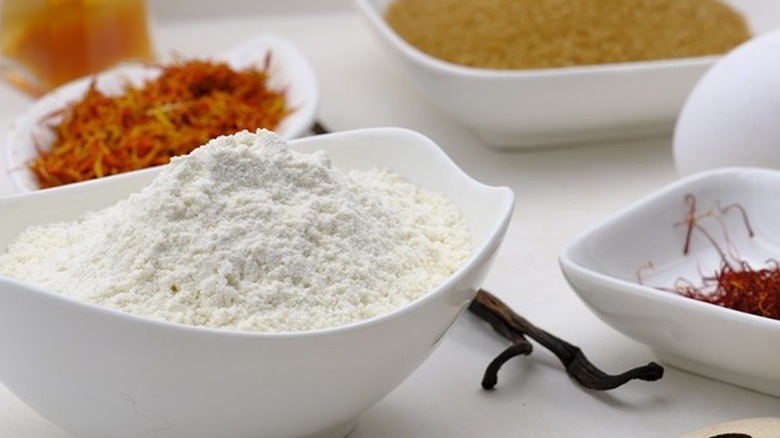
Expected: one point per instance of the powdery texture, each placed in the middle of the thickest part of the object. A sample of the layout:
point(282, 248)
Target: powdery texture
point(244, 234)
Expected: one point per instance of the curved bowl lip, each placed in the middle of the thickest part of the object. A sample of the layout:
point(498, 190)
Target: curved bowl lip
point(421, 58)
point(569, 265)
point(479, 253)
point(287, 57)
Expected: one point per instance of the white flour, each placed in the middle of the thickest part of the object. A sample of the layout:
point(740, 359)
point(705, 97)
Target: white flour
point(245, 234)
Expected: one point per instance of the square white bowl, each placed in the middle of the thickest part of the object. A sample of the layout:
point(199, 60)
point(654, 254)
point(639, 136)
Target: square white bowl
point(92, 369)
point(608, 267)
point(516, 109)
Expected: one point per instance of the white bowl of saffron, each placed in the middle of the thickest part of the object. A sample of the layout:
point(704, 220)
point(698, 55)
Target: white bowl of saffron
point(96, 371)
point(283, 96)
point(670, 270)
point(541, 107)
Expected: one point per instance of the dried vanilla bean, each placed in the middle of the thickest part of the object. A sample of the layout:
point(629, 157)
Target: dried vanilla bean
point(318, 128)
point(515, 328)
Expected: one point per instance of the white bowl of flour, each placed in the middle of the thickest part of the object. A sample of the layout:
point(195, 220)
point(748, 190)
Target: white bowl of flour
point(241, 291)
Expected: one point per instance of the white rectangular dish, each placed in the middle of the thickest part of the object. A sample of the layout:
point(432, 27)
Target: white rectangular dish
point(516, 109)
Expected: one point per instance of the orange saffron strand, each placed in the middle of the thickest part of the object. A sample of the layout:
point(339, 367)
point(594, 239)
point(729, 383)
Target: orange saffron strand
point(186, 106)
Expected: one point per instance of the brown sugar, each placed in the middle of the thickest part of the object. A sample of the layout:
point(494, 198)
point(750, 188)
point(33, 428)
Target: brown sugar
point(523, 34)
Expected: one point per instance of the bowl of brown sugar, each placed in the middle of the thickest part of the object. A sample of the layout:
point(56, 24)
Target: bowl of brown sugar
point(539, 73)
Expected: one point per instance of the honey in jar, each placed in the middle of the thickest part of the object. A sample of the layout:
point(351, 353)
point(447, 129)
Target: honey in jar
point(51, 42)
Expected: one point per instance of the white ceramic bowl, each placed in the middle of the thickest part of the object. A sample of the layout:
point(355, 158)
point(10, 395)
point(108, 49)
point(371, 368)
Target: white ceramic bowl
point(512, 109)
point(98, 372)
point(603, 266)
point(289, 71)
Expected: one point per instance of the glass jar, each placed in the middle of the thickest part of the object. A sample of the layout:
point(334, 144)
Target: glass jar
point(45, 43)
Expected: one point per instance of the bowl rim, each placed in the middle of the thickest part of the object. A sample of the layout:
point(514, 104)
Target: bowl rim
point(370, 11)
point(569, 264)
point(478, 255)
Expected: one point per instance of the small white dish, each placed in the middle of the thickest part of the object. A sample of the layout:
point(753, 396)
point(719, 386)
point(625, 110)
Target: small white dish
point(516, 109)
point(98, 372)
point(608, 267)
point(289, 71)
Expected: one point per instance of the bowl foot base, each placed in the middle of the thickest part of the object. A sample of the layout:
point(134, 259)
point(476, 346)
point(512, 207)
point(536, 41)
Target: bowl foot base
point(745, 380)
point(545, 140)
point(339, 431)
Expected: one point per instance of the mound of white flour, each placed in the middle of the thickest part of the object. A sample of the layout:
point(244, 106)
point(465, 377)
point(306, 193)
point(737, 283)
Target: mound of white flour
point(245, 234)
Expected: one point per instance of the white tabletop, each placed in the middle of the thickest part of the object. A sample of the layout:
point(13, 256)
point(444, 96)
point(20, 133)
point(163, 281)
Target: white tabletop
point(560, 193)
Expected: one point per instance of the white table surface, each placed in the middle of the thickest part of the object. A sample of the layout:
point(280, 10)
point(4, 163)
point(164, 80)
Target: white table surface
point(560, 193)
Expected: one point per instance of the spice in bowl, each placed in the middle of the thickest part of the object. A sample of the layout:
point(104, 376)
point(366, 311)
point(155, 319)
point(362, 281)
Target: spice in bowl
point(531, 34)
point(187, 104)
point(735, 284)
point(245, 234)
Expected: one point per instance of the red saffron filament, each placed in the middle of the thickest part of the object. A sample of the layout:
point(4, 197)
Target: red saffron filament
point(737, 286)
point(742, 288)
